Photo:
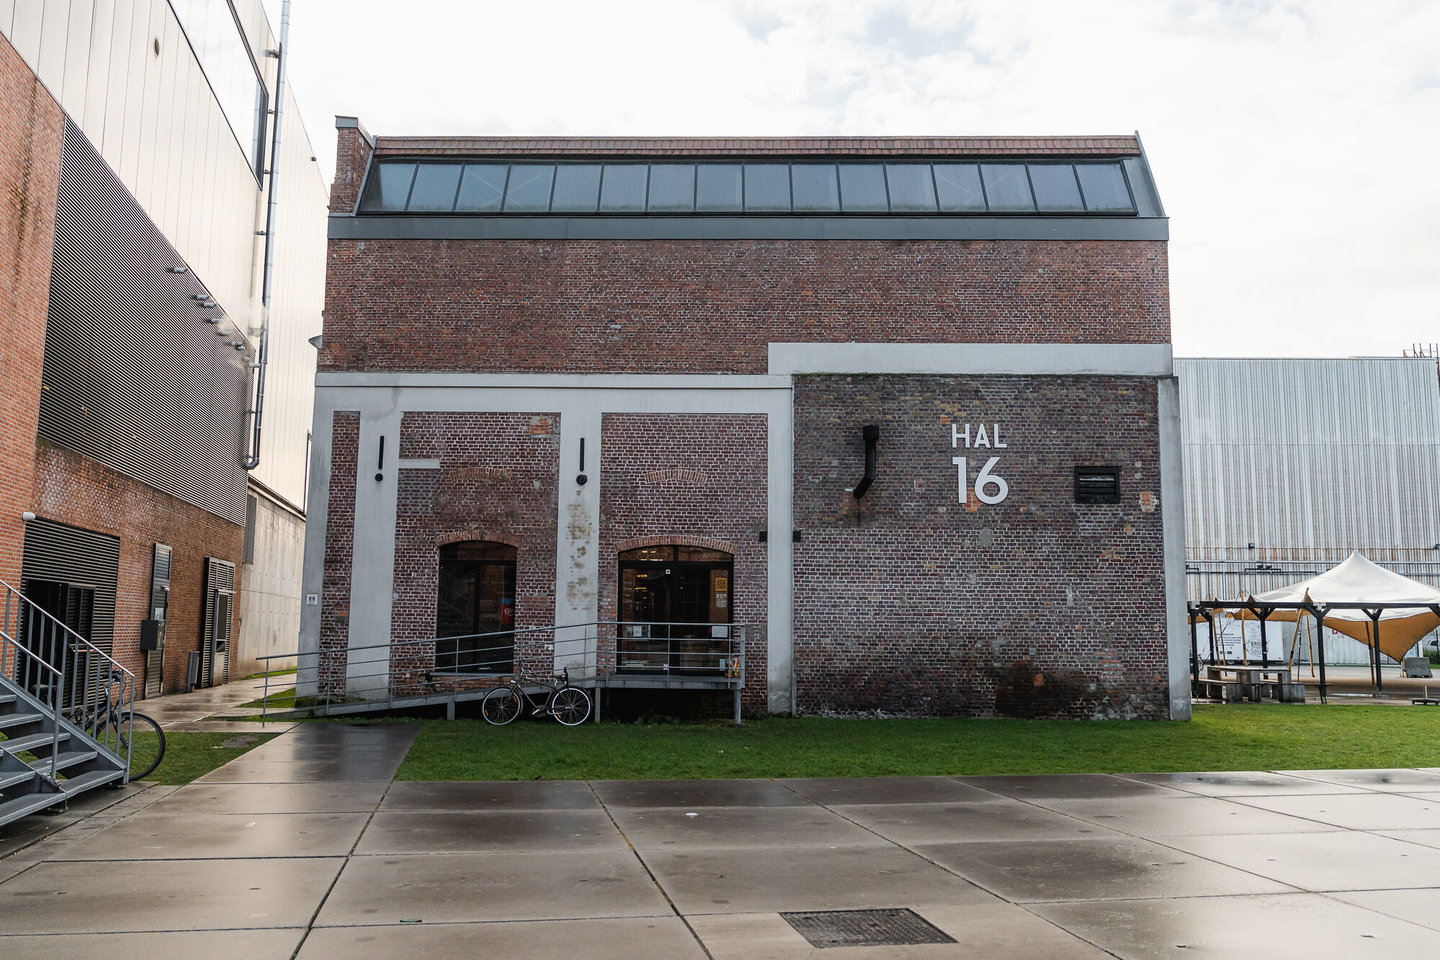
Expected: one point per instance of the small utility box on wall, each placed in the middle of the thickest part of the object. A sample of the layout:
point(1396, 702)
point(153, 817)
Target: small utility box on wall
point(152, 635)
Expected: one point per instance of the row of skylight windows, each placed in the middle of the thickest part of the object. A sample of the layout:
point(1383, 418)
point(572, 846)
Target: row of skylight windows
point(770, 188)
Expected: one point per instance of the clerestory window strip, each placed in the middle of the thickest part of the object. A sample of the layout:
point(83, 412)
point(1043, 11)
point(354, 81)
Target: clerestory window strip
point(838, 188)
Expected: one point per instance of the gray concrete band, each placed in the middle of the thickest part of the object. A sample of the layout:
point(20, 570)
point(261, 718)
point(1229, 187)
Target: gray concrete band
point(743, 227)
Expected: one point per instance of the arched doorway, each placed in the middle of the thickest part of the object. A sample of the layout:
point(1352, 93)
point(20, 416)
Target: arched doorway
point(475, 608)
point(675, 609)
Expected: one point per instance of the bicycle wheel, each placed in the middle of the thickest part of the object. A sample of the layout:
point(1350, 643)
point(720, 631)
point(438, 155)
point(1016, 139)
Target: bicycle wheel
point(141, 739)
point(570, 706)
point(500, 706)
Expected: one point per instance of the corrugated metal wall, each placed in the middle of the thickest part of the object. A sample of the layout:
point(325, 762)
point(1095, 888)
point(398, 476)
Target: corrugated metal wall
point(134, 377)
point(1308, 460)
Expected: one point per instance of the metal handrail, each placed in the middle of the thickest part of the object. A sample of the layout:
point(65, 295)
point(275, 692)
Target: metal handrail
point(592, 652)
point(32, 640)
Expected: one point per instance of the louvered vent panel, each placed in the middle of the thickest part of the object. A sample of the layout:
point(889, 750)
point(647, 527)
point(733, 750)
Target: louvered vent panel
point(134, 377)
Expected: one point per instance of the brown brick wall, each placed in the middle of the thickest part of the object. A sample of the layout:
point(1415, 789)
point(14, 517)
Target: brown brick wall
point(692, 306)
point(75, 490)
point(497, 481)
point(352, 154)
point(339, 548)
point(912, 602)
point(690, 479)
point(31, 131)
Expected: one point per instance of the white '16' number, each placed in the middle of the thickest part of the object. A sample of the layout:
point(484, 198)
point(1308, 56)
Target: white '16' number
point(984, 482)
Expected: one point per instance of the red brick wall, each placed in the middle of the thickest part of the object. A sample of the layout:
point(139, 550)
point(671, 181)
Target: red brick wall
point(690, 306)
point(339, 549)
point(497, 481)
point(72, 489)
point(31, 131)
point(911, 602)
point(352, 154)
point(690, 479)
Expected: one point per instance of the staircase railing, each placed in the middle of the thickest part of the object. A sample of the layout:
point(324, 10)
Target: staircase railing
point(596, 654)
point(68, 675)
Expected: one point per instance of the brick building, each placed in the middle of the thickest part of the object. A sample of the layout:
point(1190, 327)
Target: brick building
point(137, 166)
point(878, 424)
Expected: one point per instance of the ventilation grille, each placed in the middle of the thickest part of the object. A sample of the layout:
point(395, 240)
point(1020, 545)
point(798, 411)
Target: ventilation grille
point(134, 377)
point(58, 553)
point(865, 928)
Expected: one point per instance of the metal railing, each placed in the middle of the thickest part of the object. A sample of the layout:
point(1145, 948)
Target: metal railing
point(68, 676)
point(597, 654)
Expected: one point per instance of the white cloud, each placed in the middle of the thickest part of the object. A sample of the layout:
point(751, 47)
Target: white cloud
point(1294, 143)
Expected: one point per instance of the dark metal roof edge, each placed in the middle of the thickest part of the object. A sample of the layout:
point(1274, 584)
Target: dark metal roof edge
point(750, 227)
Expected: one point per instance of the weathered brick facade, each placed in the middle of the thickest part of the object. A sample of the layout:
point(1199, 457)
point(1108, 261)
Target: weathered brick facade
point(31, 131)
point(496, 482)
point(700, 306)
point(339, 548)
point(654, 342)
point(909, 601)
point(78, 491)
point(697, 480)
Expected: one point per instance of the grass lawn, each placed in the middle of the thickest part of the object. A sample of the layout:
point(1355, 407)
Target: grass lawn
point(190, 755)
point(1239, 737)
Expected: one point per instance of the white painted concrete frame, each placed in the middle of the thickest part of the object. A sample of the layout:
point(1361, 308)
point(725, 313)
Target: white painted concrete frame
point(580, 402)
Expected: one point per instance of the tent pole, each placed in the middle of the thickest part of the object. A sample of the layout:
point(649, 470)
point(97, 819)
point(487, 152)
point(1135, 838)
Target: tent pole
point(1194, 653)
point(1320, 638)
point(1264, 644)
point(1375, 637)
point(1210, 621)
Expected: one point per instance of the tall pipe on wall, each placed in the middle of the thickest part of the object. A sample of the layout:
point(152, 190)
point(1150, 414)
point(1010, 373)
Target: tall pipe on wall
point(257, 408)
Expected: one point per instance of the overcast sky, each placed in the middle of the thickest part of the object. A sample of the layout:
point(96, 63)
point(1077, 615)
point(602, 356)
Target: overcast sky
point(1296, 145)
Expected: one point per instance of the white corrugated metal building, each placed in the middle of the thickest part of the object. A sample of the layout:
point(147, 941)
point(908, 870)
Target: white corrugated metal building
point(1292, 464)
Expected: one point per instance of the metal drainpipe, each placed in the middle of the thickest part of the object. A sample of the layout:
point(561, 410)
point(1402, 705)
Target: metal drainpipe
point(273, 200)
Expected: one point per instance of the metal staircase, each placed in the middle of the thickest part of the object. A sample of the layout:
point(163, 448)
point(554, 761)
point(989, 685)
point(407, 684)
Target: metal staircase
point(46, 671)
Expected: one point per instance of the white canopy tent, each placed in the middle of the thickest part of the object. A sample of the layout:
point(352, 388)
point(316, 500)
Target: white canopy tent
point(1401, 610)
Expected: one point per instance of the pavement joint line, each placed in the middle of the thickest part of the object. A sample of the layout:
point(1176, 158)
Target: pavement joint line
point(895, 843)
point(589, 785)
point(315, 915)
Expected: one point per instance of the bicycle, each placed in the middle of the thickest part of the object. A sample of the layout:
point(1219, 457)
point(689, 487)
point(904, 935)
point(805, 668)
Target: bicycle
point(134, 736)
point(568, 705)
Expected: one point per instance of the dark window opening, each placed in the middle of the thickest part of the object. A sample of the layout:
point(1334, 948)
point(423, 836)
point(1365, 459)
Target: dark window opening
point(475, 608)
point(676, 610)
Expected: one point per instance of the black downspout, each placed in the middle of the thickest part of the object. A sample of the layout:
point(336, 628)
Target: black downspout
point(871, 434)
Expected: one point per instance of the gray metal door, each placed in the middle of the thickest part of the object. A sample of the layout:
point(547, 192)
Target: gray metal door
point(219, 611)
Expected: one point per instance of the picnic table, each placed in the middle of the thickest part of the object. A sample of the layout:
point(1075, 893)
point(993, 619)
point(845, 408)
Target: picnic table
point(1233, 681)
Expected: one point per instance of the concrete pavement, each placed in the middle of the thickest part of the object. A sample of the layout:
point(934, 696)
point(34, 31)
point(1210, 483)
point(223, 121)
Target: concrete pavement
point(305, 848)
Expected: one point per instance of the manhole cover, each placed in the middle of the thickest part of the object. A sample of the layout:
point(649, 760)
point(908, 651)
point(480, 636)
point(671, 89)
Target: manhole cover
point(864, 928)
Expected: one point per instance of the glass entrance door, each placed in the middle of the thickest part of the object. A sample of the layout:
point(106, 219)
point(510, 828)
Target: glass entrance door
point(475, 608)
point(675, 609)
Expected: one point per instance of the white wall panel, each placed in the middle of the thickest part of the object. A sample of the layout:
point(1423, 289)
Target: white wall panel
point(119, 75)
point(50, 60)
point(97, 74)
point(25, 28)
point(138, 54)
point(77, 57)
point(7, 16)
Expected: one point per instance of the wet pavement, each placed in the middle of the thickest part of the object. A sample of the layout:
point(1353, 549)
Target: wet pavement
point(305, 848)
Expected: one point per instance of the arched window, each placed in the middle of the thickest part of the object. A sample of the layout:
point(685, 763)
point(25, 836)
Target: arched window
point(675, 609)
point(475, 608)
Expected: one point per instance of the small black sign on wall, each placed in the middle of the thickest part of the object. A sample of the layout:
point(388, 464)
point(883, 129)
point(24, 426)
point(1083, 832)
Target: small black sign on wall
point(1097, 484)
